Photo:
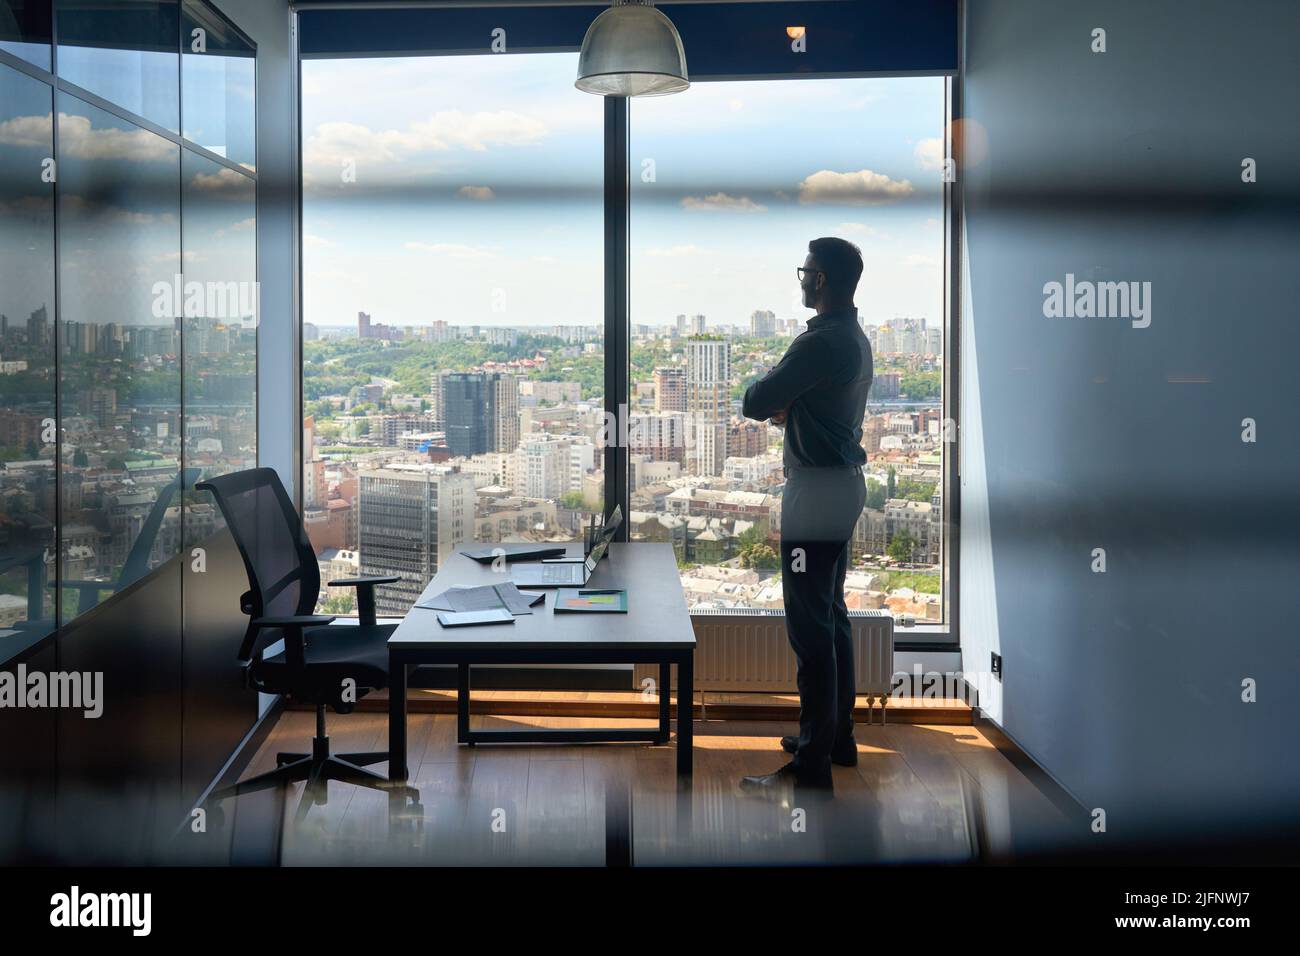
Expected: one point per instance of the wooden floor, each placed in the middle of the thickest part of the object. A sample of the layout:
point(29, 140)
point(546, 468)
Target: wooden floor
point(708, 705)
point(920, 793)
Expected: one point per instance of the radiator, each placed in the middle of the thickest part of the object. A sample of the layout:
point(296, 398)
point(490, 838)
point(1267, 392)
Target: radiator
point(745, 649)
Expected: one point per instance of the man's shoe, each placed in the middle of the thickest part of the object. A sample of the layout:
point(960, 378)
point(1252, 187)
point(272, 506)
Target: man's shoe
point(787, 777)
point(849, 758)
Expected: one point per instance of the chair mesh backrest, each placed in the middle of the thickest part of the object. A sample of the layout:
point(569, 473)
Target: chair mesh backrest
point(283, 576)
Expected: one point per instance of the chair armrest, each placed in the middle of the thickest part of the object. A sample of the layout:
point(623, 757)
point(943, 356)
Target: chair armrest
point(295, 642)
point(294, 620)
point(365, 593)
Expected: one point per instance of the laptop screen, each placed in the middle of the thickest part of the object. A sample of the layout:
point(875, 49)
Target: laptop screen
point(597, 553)
point(609, 527)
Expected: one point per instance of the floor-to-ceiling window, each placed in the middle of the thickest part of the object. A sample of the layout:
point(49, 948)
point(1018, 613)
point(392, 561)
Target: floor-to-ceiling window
point(729, 183)
point(128, 293)
point(453, 311)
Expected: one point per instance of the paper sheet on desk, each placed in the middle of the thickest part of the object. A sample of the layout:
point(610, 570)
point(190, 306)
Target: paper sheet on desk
point(485, 598)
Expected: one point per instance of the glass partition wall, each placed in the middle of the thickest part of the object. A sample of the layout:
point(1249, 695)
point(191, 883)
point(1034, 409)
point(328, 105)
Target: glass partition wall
point(128, 294)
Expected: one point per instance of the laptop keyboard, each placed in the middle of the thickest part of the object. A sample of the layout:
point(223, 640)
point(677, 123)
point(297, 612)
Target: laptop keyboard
point(558, 573)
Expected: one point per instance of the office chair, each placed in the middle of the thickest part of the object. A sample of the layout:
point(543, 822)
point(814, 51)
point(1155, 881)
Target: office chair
point(329, 666)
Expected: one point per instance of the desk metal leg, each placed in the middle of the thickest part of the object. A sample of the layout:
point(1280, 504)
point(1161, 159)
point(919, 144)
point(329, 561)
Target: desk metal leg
point(665, 701)
point(685, 714)
point(462, 703)
point(397, 679)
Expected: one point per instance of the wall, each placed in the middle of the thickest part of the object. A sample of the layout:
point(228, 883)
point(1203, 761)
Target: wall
point(1084, 433)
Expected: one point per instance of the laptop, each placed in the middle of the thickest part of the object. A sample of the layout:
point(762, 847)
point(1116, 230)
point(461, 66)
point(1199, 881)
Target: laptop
point(603, 533)
point(559, 574)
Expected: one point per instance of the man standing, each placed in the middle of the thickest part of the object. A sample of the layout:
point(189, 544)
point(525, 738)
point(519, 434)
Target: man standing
point(818, 392)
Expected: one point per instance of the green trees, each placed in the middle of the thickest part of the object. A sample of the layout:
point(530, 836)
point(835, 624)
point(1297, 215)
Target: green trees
point(343, 604)
point(760, 557)
point(875, 494)
point(913, 490)
point(903, 546)
point(754, 551)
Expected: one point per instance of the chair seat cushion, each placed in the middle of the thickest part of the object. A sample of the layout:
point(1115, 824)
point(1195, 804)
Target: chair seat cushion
point(335, 653)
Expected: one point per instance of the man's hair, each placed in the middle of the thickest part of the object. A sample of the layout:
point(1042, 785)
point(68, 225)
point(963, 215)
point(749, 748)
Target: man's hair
point(841, 260)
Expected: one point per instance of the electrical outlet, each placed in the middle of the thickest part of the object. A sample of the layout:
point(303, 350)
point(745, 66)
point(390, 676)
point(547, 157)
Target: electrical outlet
point(997, 665)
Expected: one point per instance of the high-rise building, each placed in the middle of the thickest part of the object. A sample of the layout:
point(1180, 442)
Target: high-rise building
point(670, 389)
point(708, 403)
point(479, 411)
point(103, 406)
point(762, 324)
point(886, 342)
point(38, 329)
point(696, 325)
point(411, 519)
point(542, 468)
point(933, 341)
point(659, 436)
point(375, 330)
point(746, 438)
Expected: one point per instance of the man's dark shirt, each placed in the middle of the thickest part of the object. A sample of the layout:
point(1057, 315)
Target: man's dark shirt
point(822, 380)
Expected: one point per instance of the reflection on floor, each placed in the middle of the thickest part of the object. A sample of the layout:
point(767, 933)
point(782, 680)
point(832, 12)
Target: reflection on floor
point(920, 793)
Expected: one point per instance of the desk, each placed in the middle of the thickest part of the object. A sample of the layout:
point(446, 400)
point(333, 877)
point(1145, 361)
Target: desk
point(656, 629)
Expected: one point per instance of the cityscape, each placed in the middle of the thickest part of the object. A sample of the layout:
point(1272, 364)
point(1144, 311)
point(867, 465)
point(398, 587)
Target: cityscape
point(419, 439)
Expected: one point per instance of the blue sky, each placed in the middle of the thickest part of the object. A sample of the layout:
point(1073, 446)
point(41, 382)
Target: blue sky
point(478, 185)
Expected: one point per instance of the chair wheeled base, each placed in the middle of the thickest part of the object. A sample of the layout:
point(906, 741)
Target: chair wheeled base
point(317, 768)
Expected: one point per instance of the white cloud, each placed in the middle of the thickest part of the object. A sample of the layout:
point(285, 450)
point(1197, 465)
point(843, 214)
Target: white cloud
point(333, 143)
point(77, 137)
point(476, 192)
point(929, 154)
point(224, 183)
point(27, 131)
point(317, 242)
point(723, 202)
point(861, 188)
point(918, 260)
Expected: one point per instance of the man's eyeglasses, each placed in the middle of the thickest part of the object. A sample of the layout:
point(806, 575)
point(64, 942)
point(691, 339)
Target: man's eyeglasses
point(801, 272)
